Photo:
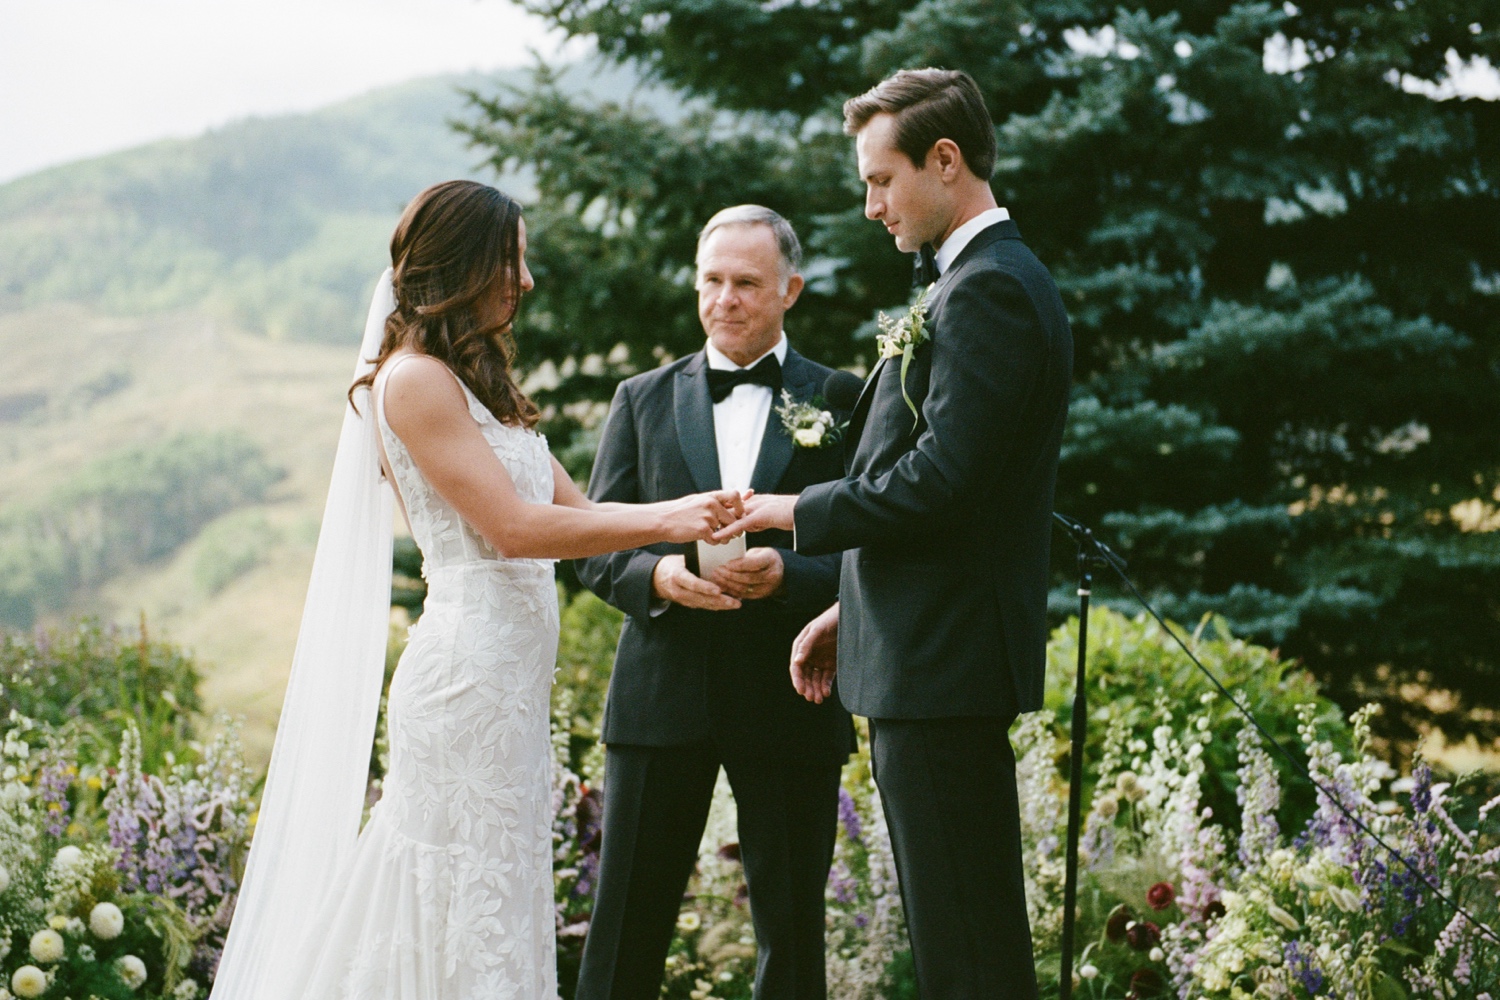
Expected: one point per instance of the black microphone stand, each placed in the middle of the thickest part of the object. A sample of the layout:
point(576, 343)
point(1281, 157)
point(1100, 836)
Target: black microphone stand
point(1091, 553)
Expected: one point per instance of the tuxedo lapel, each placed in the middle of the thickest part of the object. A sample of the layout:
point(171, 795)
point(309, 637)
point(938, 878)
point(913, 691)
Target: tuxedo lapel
point(861, 408)
point(693, 411)
point(776, 447)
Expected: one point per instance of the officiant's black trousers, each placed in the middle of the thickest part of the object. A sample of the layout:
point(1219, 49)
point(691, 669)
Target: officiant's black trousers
point(948, 787)
point(656, 802)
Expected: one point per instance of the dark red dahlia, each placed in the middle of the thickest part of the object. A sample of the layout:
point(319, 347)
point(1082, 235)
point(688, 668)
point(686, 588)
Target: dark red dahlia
point(1160, 896)
point(1143, 935)
point(1146, 983)
point(1119, 919)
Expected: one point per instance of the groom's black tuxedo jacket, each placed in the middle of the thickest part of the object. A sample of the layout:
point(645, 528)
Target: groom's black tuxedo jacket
point(687, 675)
point(946, 524)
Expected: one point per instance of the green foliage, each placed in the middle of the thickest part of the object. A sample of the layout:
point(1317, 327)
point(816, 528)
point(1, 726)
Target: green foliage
point(1135, 668)
point(1276, 250)
point(99, 681)
point(229, 548)
point(124, 509)
point(585, 659)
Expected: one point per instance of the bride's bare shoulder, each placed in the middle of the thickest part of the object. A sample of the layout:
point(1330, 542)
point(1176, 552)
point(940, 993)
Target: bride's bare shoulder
point(419, 391)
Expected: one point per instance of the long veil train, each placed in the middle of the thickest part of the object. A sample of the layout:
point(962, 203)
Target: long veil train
point(315, 789)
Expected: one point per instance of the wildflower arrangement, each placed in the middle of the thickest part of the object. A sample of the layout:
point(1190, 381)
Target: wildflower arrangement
point(114, 883)
point(866, 949)
point(1181, 899)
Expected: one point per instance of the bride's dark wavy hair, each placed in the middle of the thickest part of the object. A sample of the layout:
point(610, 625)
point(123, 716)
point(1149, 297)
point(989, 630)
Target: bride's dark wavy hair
point(457, 245)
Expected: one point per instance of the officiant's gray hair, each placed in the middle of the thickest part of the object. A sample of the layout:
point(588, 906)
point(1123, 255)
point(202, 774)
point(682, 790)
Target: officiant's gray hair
point(758, 215)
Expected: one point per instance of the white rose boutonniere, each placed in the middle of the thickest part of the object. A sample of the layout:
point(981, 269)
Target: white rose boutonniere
point(809, 425)
point(903, 336)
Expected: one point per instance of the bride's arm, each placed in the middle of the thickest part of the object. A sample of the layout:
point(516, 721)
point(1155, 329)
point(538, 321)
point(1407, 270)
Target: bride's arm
point(426, 409)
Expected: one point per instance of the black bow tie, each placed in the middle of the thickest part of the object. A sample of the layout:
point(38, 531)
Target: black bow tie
point(925, 269)
point(767, 372)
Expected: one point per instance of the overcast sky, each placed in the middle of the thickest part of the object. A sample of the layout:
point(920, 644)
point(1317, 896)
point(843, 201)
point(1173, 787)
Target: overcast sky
point(82, 77)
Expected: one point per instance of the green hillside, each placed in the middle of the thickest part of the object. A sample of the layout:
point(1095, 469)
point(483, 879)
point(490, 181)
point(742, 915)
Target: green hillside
point(176, 323)
point(274, 225)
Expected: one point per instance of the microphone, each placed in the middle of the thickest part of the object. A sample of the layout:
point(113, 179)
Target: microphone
point(842, 390)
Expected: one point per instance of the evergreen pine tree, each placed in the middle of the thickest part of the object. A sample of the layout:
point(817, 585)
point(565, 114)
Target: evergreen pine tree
point(1275, 228)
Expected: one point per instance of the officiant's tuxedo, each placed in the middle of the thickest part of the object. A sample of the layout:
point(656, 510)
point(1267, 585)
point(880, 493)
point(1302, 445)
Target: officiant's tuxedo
point(694, 689)
point(945, 521)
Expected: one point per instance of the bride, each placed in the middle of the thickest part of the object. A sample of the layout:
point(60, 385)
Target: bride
point(447, 892)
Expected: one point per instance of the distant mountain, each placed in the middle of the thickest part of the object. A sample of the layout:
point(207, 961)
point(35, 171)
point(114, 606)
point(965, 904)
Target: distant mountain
point(274, 225)
point(137, 292)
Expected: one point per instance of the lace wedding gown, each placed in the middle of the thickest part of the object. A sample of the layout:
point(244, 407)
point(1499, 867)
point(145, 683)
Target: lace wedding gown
point(449, 896)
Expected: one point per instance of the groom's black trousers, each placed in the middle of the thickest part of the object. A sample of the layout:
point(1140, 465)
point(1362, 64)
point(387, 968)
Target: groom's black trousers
point(948, 787)
point(656, 802)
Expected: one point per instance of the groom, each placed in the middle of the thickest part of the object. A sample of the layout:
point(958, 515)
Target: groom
point(944, 519)
point(700, 675)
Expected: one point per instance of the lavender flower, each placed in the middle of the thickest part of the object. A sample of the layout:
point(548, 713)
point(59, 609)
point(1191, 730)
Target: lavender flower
point(1303, 967)
point(849, 815)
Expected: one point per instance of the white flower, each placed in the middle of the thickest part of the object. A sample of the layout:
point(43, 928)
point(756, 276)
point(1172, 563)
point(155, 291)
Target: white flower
point(1282, 917)
point(809, 437)
point(4, 878)
point(132, 970)
point(1343, 898)
point(688, 922)
point(87, 953)
point(186, 990)
point(1089, 971)
point(106, 921)
point(47, 946)
point(1156, 955)
point(67, 857)
point(29, 981)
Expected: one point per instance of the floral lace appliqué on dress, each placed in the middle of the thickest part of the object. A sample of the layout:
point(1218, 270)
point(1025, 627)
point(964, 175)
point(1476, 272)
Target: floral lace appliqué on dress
point(449, 896)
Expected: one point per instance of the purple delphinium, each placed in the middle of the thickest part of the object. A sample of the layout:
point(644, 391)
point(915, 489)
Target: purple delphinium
point(842, 885)
point(52, 784)
point(1303, 967)
point(849, 815)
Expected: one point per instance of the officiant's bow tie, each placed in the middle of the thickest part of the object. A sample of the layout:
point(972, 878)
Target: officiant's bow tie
point(925, 269)
point(767, 373)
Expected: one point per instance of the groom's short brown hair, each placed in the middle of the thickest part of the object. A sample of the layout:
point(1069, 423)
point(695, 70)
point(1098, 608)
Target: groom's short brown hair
point(930, 104)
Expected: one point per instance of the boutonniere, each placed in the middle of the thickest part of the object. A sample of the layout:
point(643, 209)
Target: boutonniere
point(903, 336)
point(808, 425)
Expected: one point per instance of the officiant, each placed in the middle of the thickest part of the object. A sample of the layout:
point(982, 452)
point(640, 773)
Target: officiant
point(700, 679)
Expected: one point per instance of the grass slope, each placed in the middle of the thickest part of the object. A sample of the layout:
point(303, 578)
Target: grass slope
point(217, 283)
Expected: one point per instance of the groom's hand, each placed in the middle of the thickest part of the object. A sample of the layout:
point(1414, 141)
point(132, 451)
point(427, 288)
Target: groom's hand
point(815, 657)
point(671, 581)
point(754, 575)
point(762, 512)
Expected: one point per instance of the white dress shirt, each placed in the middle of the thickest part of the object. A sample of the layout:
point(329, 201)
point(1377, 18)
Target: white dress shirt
point(955, 244)
point(740, 419)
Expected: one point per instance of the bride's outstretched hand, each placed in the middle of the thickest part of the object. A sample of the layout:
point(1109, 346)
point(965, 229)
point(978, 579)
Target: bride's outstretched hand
point(699, 515)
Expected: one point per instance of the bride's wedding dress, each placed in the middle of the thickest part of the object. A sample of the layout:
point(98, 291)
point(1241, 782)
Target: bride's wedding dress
point(448, 895)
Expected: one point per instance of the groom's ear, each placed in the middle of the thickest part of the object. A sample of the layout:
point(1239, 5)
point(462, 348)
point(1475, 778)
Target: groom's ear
point(948, 160)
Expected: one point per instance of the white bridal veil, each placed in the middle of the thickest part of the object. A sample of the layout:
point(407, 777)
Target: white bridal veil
point(315, 789)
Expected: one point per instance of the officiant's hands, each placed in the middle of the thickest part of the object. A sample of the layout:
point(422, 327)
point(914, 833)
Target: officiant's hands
point(815, 656)
point(763, 511)
point(757, 574)
point(671, 581)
